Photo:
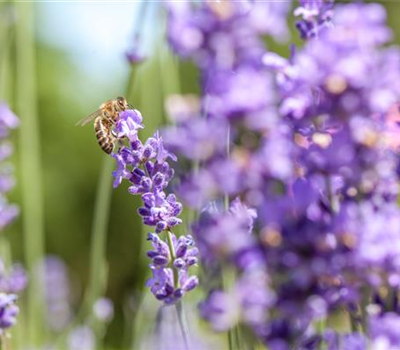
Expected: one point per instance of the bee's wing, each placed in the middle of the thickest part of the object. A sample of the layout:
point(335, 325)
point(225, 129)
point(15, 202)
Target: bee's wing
point(89, 118)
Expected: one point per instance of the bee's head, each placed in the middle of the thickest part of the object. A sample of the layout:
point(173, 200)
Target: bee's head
point(121, 104)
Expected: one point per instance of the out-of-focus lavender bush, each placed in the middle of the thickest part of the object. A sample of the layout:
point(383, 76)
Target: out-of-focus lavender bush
point(293, 174)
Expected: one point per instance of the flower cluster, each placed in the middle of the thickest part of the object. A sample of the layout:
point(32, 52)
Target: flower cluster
point(180, 255)
point(304, 141)
point(149, 173)
point(8, 121)
point(316, 15)
point(12, 282)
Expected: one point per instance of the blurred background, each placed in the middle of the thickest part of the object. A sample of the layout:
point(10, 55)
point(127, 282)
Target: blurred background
point(73, 58)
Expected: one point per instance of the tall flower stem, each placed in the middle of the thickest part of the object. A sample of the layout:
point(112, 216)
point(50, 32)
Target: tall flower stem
point(182, 323)
point(98, 261)
point(232, 333)
point(31, 176)
point(179, 308)
point(173, 257)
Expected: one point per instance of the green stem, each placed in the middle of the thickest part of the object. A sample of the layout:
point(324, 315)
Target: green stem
point(232, 333)
point(333, 200)
point(31, 176)
point(98, 260)
point(173, 257)
point(320, 327)
point(179, 309)
point(182, 324)
point(228, 152)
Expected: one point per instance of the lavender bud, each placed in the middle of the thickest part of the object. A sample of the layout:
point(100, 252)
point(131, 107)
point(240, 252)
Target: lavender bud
point(165, 168)
point(169, 289)
point(161, 226)
point(192, 260)
point(146, 183)
point(144, 211)
point(147, 152)
point(179, 263)
point(171, 222)
point(149, 221)
point(178, 293)
point(171, 198)
point(136, 145)
point(160, 260)
point(169, 175)
point(148, 199)
point(134, 190)
point(136, 176)
point(149, 167)
point(176, 208)
point(158, 180)
point(181, 251)
point(190, 284)
point(151, 254)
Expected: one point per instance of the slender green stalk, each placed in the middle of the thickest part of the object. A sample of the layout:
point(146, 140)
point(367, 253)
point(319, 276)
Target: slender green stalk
point(182, 324)
point(98, 260)
point(173, 257)
point(30, 166)
point(320, 326)
point(6, 40)
point(233, 336)
point(179, 309)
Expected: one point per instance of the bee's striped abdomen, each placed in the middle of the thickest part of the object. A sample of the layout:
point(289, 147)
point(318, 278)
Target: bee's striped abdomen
point(102, 128)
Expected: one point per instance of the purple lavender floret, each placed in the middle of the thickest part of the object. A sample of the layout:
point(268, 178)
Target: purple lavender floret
point(146, 167)
point(8, 311)
point(316, 15)
point(13, 280)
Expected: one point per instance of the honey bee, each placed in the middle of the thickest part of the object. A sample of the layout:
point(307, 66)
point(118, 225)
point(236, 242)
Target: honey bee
point(104, 120)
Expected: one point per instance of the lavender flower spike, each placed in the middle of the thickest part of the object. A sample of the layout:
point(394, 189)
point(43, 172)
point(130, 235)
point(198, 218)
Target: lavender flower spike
point(147, 169)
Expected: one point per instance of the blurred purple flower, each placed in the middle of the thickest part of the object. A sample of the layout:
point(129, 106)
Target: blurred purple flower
point(103, 309)
point(81, 338)
point(54, 275)
point(248, 301)
point(383, 330)
point(308, 152)
point(8, 311)
point(12, 280)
